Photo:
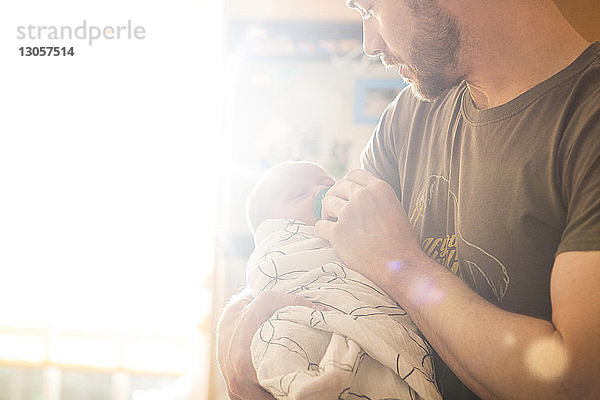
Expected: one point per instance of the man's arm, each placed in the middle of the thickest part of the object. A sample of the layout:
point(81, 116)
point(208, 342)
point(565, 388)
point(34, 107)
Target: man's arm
point(497, 354)
point(237, 325)
point(503, 355)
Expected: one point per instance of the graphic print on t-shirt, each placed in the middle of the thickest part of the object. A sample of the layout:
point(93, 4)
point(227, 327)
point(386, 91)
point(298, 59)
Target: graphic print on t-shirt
point(451, 248)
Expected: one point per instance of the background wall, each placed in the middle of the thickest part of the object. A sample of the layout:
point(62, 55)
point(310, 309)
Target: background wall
point(290, 9)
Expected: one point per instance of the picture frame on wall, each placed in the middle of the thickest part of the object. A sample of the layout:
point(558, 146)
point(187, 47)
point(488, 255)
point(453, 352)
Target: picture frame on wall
point(372, 96)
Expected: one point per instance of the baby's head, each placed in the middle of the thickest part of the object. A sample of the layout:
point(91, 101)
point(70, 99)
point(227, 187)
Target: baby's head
point(287, 190)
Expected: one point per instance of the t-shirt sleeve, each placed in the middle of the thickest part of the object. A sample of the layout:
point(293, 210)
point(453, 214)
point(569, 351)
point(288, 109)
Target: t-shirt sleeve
point(581, 186)
point(379, 156)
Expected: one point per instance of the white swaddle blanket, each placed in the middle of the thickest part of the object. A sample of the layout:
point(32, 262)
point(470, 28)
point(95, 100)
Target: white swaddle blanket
point(363, 347)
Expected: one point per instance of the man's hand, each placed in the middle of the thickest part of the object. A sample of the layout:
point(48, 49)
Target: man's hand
point(367, 226)
point(240, 320)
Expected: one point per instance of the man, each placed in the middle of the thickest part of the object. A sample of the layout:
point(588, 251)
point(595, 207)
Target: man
point(479, 206)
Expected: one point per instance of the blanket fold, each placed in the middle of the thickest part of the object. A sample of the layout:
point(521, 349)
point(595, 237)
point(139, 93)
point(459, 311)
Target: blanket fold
point(364, 346)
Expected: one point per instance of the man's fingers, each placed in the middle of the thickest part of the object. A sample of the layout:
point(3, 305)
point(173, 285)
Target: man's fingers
point(324, 229)
point(343, 189)
point(232, 396)
point(360, 177)
point(258, 393)
point(249, 391)
point(332, 207)
point(301, 301)
point(268, 302)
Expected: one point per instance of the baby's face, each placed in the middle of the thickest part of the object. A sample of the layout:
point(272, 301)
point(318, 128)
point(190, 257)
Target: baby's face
point(291, 189)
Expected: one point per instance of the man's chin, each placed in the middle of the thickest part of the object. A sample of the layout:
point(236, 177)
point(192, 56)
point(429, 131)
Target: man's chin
point(420, 95)
point(409, 76)
point(419, 92)
point(429, 90)
point(406, 73)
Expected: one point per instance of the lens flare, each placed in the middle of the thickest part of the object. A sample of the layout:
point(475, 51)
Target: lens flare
point(395, 266)
point(425, 291)
point(509, 339)
point(547, 359)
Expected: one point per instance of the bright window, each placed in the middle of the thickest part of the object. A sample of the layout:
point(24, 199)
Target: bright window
point(109, 167)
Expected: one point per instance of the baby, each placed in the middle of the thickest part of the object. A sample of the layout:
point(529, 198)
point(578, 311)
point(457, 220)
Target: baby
point(288, 191)
point(347, 351)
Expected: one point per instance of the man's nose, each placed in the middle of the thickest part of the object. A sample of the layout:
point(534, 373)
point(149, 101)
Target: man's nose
point(373, 44)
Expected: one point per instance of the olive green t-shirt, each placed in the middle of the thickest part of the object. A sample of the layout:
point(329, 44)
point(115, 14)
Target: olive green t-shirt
point(494, 195)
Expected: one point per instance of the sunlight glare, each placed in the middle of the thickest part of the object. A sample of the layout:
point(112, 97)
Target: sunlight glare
point(547, 359)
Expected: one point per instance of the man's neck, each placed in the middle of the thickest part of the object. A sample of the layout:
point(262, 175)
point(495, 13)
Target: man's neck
point(514, 56)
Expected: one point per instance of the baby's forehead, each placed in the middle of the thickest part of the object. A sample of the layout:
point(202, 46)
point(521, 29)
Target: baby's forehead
point(291, 172)
point(291, 178)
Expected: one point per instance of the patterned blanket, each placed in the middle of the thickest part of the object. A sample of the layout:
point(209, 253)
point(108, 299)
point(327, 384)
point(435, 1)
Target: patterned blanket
point(363, 347)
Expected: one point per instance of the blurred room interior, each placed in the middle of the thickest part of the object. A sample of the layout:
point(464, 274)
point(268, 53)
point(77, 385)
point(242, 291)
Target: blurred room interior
point(296, 87)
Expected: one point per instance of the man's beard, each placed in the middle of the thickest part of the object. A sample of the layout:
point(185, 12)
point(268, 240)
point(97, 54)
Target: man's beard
point(432, 51)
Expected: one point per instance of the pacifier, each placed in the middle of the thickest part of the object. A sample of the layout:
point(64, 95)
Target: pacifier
point(319, 201)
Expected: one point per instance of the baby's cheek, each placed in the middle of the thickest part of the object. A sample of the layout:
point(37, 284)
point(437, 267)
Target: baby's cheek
point(305, 212)
point(311, 217)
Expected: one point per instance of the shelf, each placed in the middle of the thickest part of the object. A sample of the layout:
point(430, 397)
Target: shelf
point(293, 10)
